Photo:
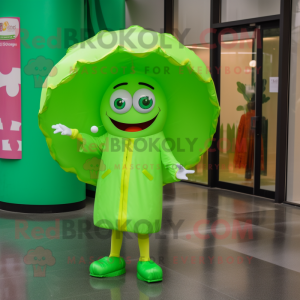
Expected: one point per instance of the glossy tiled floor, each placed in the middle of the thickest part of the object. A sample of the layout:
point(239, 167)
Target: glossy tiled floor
point(214, 244)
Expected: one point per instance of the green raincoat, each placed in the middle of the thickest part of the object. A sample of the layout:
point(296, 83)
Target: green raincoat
point(131, 176)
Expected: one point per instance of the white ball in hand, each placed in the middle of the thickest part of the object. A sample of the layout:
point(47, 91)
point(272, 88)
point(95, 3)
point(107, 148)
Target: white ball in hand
point(94, 129)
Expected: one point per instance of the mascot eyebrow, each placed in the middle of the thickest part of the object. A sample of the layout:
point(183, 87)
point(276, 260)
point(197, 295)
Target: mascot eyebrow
point(124, 83)
point(146, 84)
point(141, 83)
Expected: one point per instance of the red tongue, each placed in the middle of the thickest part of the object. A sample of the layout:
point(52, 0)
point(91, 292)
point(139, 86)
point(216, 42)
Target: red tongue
point(133, 129)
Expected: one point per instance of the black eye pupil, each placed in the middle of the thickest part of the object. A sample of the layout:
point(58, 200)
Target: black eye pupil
point(120, 102)
point(146, 102)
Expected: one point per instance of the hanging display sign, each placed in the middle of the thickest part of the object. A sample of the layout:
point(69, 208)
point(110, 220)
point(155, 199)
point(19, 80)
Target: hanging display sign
point(274, 84)
point(10, 89)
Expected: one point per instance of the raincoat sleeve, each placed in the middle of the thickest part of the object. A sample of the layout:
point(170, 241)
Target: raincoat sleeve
point(90, 144)
point(168, 160)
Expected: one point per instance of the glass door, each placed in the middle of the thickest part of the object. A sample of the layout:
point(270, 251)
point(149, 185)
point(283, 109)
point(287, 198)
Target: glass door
point(248, 99)
point(270, 78)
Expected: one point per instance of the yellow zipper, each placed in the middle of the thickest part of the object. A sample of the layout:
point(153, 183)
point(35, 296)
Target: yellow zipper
point(127, 158)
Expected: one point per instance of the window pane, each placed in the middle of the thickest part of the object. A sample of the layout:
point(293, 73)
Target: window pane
point(233, 10)
point(269, 108)
point(237, 98)
point(191, 18)
point(148, 14)
point(191, 28)
point(293, 174)
point(201, 170)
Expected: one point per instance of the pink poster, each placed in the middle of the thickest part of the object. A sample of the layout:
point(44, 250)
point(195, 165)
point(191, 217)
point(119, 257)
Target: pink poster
point(10, 89)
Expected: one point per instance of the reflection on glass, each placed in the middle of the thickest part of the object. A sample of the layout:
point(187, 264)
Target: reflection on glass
point(201, 169)
point(237, 97)
point(269, 107)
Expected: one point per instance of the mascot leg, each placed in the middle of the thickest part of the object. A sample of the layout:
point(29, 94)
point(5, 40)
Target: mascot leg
point(143, 240)
point(111, 266)
point(116, 243)
point(147, 269)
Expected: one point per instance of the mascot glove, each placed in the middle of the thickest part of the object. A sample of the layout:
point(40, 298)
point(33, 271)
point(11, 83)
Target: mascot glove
point(181, 173)
point(63, 129)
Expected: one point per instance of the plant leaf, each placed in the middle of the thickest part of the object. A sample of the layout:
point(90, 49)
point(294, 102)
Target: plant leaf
point(241, 88)
point(265, 98)
point(247, 98)
point(240, 108)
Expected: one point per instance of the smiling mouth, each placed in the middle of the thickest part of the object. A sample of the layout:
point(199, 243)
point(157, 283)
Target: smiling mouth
point(132, 127)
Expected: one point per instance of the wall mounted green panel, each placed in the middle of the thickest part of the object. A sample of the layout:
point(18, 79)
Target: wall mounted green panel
point(37, 179)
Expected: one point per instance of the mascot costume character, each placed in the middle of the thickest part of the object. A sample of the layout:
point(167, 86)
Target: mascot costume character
point(139, 109)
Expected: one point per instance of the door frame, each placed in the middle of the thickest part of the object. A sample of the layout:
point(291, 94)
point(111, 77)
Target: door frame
point(258, 30)
point(284, 19)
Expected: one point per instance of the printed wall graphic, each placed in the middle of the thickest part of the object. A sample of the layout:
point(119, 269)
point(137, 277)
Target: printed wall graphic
point(10, 89)
point(11, 81)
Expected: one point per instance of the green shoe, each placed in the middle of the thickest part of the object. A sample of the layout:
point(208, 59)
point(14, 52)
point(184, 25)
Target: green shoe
point(149, 271)
point(108, 267)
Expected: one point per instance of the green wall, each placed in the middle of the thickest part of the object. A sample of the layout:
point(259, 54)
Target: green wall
point(37, 179)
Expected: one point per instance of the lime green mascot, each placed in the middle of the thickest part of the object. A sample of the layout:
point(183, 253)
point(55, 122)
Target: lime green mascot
point(139, 109)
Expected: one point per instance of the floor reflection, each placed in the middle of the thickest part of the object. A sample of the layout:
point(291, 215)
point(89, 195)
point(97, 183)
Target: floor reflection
point(214, 244)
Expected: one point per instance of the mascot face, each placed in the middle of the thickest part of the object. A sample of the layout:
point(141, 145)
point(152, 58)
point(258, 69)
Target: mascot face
point(133, 106)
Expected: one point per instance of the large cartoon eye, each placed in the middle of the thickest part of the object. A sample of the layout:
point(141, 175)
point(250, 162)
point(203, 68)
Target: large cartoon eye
point(143, 101)
point(120, 101)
